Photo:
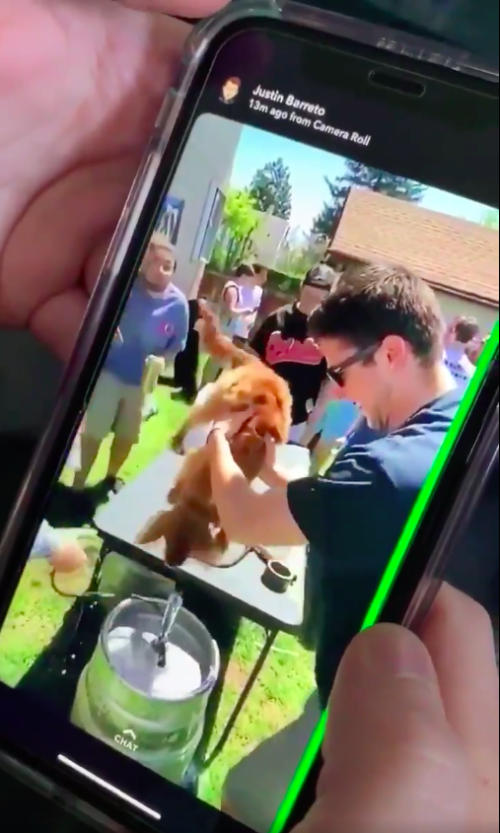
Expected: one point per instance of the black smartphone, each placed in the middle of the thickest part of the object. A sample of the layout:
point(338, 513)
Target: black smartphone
point(336, 205)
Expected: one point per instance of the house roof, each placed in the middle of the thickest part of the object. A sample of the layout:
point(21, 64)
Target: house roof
point(453, 255)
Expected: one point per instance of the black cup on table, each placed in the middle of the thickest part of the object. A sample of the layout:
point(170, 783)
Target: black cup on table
point(277, 577)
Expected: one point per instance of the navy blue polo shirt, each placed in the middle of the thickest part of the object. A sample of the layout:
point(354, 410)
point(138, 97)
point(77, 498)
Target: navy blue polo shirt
point(362, 435)
point(353, 518)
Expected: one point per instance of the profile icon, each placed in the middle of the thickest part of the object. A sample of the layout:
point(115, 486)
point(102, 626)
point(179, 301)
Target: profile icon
point(230, 90)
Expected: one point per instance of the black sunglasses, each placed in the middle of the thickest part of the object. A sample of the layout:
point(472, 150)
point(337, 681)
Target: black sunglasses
point(337, 374)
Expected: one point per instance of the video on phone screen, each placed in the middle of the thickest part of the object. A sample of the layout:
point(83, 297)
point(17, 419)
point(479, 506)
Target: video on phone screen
point(329, 316)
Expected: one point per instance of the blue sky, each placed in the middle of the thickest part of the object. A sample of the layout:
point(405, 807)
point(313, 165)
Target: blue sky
point(308, 168)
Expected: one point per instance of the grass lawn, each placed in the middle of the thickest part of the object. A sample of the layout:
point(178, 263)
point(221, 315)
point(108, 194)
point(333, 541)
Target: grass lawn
point(284, 684)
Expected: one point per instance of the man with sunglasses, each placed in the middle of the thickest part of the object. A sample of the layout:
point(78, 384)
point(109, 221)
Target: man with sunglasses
point(381, 334)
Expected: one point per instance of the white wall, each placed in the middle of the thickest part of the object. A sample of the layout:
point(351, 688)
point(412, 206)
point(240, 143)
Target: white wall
point(453, 306)
point(207, 162)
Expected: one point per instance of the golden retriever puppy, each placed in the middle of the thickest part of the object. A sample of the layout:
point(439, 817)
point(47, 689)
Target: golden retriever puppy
point(191, 527)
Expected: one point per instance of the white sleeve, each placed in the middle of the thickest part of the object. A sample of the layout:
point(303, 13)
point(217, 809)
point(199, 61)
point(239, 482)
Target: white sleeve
point(46, 542)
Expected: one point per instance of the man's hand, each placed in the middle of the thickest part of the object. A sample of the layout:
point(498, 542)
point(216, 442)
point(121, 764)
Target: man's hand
point(232, 422)
point(412, 742)
point(81, 84)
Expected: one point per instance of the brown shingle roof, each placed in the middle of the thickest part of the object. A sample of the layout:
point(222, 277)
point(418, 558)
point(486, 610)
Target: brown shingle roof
point(453, 255)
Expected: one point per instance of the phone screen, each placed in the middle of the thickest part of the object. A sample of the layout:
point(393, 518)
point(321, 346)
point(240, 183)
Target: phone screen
point(344, 235)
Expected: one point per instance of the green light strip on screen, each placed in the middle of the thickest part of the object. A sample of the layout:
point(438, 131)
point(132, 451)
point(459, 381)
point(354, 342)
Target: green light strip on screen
point(394, 565)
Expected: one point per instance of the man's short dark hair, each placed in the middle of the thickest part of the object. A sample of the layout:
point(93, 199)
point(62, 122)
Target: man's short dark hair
point(466, 329)
point(373, 302)
point(244, 270)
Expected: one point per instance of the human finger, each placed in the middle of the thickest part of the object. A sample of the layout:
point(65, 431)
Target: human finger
point(390, 756)
point(58, 321)
point(270, 450)
point(234, 421)
point(459, 637)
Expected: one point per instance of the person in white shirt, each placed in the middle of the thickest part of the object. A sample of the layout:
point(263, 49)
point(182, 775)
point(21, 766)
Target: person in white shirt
point(235, 312)
point(475, 349)
point(250, 297)
point(64, 554)
point(461, 333)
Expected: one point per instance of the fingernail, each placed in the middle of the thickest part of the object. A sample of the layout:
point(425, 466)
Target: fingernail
point(390, 649)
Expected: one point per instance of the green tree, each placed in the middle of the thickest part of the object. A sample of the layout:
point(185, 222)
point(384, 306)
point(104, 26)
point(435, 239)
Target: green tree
point(491, 219)
point(239, 222)
point(358, 175)
point(297, 256)
point(271, 189)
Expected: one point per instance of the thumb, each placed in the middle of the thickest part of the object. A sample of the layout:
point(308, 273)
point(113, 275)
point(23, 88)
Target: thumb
point(392, 762)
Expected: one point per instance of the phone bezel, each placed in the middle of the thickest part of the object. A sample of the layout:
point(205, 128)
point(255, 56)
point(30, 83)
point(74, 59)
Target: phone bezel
point(106, 307)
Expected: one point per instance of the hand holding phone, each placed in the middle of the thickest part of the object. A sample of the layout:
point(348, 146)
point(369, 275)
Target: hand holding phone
point(79, 229)
point(351, 144)
point(444, 683)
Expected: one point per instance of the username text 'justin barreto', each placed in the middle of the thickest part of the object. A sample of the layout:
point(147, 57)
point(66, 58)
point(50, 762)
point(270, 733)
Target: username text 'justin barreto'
point(286, 107)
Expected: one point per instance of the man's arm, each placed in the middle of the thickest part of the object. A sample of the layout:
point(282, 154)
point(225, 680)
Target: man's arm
point(352, 514)
point(273, 478)
point(246, 516)
point(181, 331)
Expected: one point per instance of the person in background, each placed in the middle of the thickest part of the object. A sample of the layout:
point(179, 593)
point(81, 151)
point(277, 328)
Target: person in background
point(262, 273)
point(155, 323)
point(282, 341)
point(461, 333)
point(232, 303)
point(63, 554)
point(251, 293)
point(474, 350)
point(187, 361)
point(235, 312)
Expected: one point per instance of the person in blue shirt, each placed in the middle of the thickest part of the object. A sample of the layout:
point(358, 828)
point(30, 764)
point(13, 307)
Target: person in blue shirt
point(381, 332)
point(155, 323)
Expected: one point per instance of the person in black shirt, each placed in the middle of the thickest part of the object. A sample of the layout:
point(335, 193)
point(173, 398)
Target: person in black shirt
point(282, 342)
point(186, 362)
